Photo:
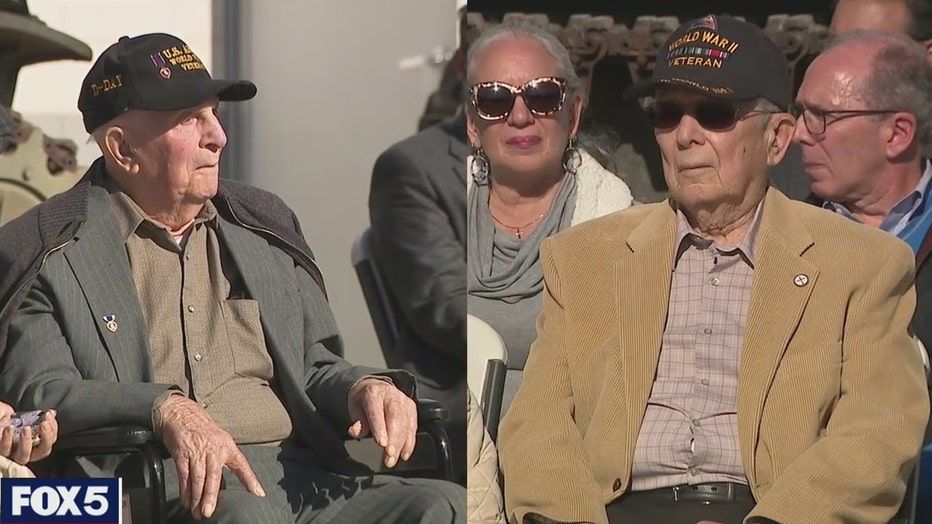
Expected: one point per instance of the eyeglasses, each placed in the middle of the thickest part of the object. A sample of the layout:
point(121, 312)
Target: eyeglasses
point(495, 100)
point(816, 119)
point(711, 115)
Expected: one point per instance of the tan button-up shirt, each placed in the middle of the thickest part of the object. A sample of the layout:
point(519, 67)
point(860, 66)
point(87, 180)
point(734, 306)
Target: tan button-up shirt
point(690, 429)
point(205, 334)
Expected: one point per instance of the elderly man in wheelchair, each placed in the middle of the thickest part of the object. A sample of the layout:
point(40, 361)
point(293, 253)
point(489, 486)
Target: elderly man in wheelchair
point(180, 318)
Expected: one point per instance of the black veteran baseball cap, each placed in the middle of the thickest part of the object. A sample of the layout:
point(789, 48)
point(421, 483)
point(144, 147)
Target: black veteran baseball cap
point(155, 71)
point(724, 57)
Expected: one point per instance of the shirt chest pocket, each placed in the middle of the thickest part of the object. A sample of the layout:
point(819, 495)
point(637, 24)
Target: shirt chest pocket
point(246, 339)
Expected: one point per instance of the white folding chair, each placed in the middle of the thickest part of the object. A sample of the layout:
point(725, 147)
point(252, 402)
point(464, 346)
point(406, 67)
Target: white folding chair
point(485, 369)
point(924, 354)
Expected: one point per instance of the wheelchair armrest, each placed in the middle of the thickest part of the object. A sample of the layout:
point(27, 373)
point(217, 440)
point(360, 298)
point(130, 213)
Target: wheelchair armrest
point(136, 440)
point(105, 438)
point(430, 412)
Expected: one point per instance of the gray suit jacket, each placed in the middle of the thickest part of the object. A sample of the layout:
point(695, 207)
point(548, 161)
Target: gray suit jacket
point(61, 355)
point(417, 207)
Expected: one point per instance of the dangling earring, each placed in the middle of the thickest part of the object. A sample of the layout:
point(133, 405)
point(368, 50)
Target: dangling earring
point(572, 158)
point(479, 167)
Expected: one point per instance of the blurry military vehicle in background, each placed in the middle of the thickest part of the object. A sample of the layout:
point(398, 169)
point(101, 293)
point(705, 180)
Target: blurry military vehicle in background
point(33, 166)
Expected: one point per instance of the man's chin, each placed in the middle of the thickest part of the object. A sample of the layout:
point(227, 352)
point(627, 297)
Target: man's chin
point(201, 196)
point(207, 185)
point(825, 192)
point(209, 195)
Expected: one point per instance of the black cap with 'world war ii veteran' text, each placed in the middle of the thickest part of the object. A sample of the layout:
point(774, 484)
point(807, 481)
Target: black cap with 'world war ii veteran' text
point(723, 57)
point(157, 72)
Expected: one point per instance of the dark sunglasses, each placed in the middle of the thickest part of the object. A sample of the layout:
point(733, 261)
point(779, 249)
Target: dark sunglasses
point(711, 115)
point(495, 100)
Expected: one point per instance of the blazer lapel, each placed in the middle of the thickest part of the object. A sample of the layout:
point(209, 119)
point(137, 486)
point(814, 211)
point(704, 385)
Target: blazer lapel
point(650, 264)
point(108, 286)
point(783, 282)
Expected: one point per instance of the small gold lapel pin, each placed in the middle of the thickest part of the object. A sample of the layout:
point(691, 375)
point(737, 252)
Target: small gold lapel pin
point(112, 325)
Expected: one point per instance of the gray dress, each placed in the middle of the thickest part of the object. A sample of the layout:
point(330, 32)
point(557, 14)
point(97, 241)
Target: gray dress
point(504, 277)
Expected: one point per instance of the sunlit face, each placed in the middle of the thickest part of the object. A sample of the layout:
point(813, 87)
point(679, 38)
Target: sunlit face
point(705, 169)
point(843, 161)
point(521, 143)
point(869, 15)
point(177, 153)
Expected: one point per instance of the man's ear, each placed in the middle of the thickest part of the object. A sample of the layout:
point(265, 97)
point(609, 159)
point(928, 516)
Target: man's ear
point(779, 135)
point(900, 134)
point(116, 147)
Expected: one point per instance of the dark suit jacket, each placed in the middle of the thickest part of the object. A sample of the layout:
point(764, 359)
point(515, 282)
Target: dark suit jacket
point(922, 320)
point(60, 354)
point(417, 206)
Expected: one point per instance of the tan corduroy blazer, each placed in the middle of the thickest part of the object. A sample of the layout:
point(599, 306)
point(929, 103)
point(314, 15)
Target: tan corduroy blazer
point(832, 399)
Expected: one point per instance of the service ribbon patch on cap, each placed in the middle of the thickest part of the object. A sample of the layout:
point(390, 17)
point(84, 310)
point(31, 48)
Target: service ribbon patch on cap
point(707, 22)
point(159, 62)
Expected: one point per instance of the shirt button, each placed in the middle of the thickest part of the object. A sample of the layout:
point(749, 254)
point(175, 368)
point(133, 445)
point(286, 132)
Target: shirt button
point(704, 382)
point(188, 256)
point(707, 331)
point(197, 357)
point(714, 281)
point(696, 422)
point(191, 309)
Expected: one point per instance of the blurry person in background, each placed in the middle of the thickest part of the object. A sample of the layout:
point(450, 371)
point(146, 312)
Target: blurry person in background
point(911, 18)
point(417, 211)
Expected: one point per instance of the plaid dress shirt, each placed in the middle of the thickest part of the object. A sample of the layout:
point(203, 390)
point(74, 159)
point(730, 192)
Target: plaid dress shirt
point(690, 430)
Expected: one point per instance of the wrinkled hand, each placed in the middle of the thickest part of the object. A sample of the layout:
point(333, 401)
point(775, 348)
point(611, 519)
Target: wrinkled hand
point(379, 408)
point(201, 449)
point(26, 450)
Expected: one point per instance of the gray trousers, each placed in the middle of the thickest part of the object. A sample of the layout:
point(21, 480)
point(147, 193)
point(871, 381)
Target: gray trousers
point(298, 491)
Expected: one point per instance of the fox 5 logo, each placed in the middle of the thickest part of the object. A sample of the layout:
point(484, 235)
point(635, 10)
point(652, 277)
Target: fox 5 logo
point(61, 501)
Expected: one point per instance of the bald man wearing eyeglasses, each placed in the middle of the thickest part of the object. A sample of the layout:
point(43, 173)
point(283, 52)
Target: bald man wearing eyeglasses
point(865, 122)
point(729, 355)
point(864, 129)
